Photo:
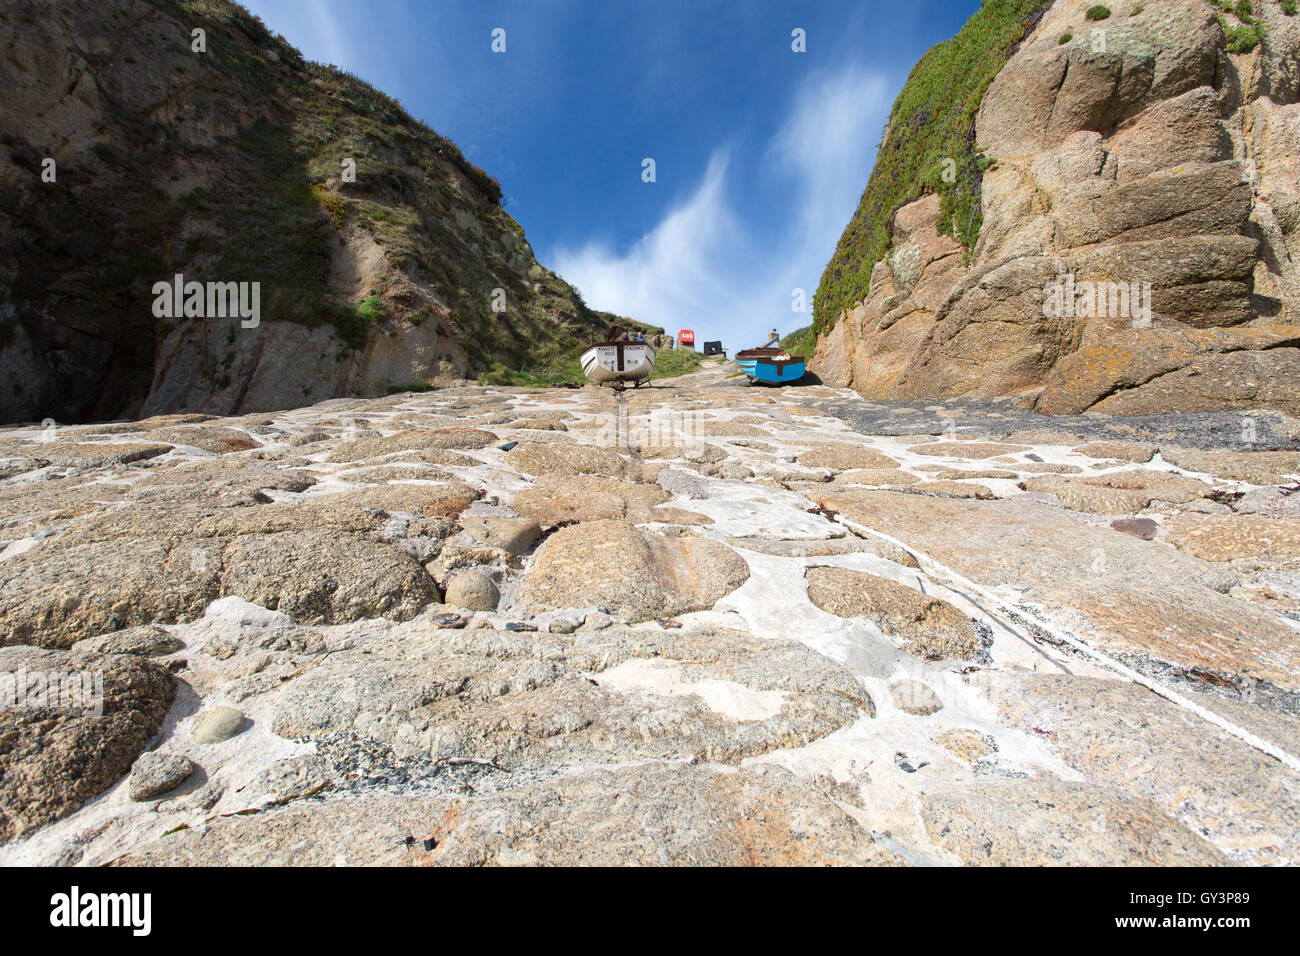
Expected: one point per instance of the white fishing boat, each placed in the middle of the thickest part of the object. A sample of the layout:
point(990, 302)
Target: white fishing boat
point(620, 363)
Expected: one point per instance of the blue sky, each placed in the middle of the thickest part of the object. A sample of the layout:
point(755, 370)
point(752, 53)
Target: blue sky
point(761, 153)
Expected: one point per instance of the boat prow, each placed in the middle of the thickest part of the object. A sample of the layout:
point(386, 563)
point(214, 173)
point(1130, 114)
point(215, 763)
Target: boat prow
point(618, 363)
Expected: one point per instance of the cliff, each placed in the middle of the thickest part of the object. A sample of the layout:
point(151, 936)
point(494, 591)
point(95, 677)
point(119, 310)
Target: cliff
point(1120, 235)
point(233, 163)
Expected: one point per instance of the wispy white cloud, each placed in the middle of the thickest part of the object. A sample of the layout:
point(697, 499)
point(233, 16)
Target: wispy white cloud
point(704, 267)
point(329, 34)
point(310, 25)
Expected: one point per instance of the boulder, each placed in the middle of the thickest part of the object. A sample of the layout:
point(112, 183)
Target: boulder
point(156, 773)
point(80, 725)
point(635, 573)
point(472, 589)
point(927, 626)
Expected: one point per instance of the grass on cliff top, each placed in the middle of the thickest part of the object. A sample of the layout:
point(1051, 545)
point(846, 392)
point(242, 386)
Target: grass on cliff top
point(931, 132)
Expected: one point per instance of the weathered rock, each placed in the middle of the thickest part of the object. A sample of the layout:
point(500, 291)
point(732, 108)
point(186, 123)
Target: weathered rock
point(383, 474)
point(1254, 539)
point(218, 724)
point(1121, 492)
point(215, 482)
point(845, 455)
point(430, 501)
point(1123, 594)
point(566, 499)
point(1122, 736)
point(91, 457)
point(875, 476)
point(58, 595)
point(534, 459)
point(1045, 822)
point(55, 754)
point(472, 589)
point(960, 474)
point(966, 449)
point(154, 774)
point(322, 578)
point(818, 547)
point(927, 626)
point(712, 818)
point(1282, 503)
point(516, 535)
point(1138, 452)
point(966, 744)
point(213, 438)
point(293, 778)
point(147, 640)
point(654, 814)
point(1258, 467)
point(539, 700)
point(638, 574)
point(915, 698)
point(372, 445)
point(952, 489)
point(1110, 167)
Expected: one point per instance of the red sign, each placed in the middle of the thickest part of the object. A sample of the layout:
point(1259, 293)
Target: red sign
point(687, 336)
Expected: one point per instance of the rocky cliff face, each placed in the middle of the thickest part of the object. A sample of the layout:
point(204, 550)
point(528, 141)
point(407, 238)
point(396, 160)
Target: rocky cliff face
point(1140, 241)
point(228, 163)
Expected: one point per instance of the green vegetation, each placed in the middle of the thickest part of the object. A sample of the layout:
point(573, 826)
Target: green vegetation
point(334, 204)
point(1247, 33)
point(669, 363)
point(929, 146)
point(1098, 12)
point(800, 342)
point(1064, 38)
point(1243, 38)
point(413, 387)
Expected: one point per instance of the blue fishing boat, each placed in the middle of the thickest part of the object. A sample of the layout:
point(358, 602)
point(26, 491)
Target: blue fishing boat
point(772, 366)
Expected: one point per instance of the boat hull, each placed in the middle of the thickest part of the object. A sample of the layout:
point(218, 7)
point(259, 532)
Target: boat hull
point(771, 366)
point(774, 373)
point(613, 362)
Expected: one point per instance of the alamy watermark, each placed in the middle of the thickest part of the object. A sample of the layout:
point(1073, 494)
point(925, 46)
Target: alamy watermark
point(75, 908)
point(1113, 300)
point(684, 430)
point(176, 299)
point(74, 691)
